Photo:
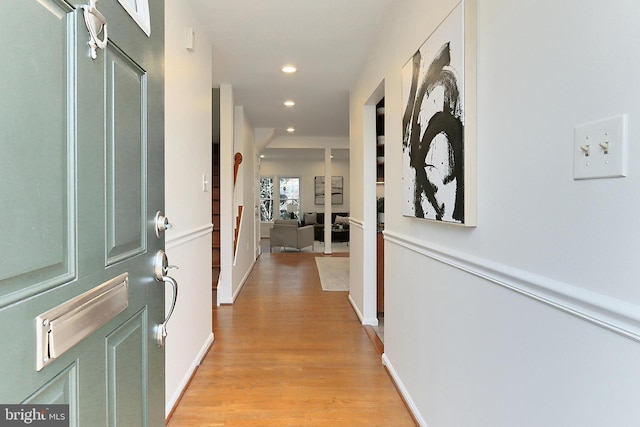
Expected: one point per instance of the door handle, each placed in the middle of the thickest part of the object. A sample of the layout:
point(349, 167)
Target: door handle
point(161, 329)
point(96, 23)
point(160, 269)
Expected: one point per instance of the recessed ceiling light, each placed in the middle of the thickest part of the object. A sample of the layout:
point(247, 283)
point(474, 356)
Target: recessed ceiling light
point(289, 69)
point(290, 130)
point(262, 156)
point(289, 103)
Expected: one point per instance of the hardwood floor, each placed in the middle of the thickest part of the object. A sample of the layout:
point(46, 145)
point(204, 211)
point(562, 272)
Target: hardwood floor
point(288, 354)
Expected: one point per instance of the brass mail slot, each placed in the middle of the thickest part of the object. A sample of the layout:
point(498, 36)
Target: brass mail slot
point(62, 327)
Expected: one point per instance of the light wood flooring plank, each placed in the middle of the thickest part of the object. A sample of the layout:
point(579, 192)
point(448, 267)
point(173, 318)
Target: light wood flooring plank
point(288, 354)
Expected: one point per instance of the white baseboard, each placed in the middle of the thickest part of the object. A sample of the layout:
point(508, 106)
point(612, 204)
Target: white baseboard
point(237, 291)
point(403, 391)
point(363, 320)
point(243, 282)
point(173, 401)
point(356, 309)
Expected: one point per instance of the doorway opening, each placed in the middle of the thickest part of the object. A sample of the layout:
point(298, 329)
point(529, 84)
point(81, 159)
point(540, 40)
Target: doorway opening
point(373, 203)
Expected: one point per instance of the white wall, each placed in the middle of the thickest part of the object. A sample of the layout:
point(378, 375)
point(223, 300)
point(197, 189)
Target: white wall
point(187, 158)
point(245, 253)
point(530, 318)
point(227, 202)
point(236, 136)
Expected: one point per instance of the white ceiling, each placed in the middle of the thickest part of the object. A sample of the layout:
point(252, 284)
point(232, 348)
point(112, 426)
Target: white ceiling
point(288, 154)
point(327, 40)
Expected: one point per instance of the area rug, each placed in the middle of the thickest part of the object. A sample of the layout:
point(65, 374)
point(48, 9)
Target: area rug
point(335, 247)
point(334, 273)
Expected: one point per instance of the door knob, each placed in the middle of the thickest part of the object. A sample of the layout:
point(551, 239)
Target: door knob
point(161, 223)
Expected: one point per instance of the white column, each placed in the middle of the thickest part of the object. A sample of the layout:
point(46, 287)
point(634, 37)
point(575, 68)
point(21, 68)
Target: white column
point(225, 283)
point(327, 201)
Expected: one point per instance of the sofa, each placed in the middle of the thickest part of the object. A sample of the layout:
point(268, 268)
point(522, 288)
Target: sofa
point(317, 219)
point(287, 233)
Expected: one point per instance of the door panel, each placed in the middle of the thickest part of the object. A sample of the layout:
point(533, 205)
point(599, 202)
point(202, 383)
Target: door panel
point(127, 359)
point(82, 163)
point(125, 94)
point(60, 390)
point(38, 240)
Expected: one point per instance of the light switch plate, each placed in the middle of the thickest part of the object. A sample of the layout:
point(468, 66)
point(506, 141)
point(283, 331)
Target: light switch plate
point(205, 182)
point(189, 39)
point(600, 149)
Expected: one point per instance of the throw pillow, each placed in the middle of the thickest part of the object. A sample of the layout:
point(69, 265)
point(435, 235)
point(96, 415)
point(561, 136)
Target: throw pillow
point(342, 220)
point(310, 218)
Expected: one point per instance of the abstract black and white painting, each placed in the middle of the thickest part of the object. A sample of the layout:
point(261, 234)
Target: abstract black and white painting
point(337, 190)
point(435, 139)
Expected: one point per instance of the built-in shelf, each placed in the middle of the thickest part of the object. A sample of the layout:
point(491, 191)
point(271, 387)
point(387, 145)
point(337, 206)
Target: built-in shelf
point(380, 142)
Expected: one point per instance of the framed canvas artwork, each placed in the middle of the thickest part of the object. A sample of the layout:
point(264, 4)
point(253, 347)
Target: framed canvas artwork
point(337, 190)
point(438, 123)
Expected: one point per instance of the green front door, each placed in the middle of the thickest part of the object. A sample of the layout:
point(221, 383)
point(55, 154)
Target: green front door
point(81, 167)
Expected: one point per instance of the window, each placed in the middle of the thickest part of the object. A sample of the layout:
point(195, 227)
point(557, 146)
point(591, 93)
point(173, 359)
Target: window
point(266, 199)
point(288, 201)
point(289, 198)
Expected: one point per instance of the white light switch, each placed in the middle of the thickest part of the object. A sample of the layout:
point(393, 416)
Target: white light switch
point(205, 182)
point(600, 149)
point(189, 39)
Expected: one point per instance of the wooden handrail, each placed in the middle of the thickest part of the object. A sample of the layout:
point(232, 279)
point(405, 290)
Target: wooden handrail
point(236, 165)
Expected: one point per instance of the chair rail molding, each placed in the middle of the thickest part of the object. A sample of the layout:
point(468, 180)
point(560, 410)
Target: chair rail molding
point(356, 222)
point(609, 313)
point(188, 235)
